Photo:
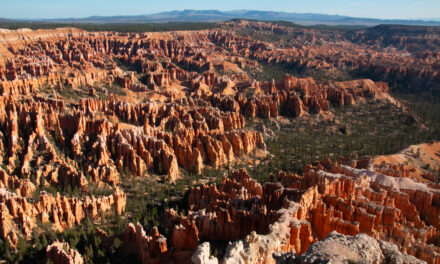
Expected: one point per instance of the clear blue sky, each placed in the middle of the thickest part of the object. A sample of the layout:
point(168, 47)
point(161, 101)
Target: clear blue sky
point(83, 8)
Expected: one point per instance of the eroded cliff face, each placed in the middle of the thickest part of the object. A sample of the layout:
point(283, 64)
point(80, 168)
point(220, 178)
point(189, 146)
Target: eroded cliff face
point(295, 211)
point(151, 248)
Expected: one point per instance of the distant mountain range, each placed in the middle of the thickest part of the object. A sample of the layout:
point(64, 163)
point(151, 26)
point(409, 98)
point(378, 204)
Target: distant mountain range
point(216, 15)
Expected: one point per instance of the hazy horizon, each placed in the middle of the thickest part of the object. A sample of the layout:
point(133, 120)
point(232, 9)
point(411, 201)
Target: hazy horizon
point(52, 9)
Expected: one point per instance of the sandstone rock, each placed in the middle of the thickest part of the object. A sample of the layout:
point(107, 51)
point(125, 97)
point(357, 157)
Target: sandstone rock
point(185, 236)
point(340, 249)
point(60, 253)
point(19, 215)
point(337, 248)
point(202, 255)
point(150, 248)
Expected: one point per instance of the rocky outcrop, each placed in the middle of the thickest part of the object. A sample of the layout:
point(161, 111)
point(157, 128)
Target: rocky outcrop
point(217, 215)
point(61, 253)
point(150, 248)
point(215, 134)
point(392, 213)
point(19, 215)
point(185, 235)
point(360, 200)
point(337, 248)
point(237, 209)
point(295, 97)
point(203, 255)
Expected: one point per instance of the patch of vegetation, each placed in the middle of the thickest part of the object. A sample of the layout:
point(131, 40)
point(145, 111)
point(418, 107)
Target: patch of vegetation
point(270, 71)
point(69, 92)
point(370, 128)
point(83, 238)
point(127, 66)
point(426, 107)
point(191, 68)
point(115, 89)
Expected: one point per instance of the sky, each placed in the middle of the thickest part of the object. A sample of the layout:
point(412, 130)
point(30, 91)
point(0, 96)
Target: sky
point(391, 9)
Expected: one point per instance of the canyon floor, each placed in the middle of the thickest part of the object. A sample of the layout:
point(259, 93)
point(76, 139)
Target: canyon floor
point(245, 142)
